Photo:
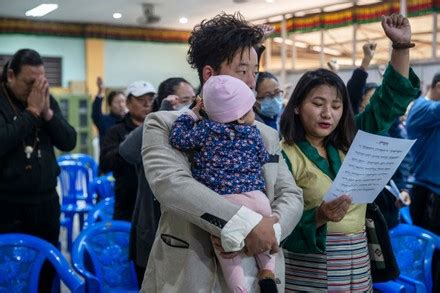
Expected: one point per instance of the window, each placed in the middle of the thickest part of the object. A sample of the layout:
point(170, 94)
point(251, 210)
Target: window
point(52, 65)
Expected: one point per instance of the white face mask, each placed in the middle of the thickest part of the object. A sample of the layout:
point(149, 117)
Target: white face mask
point(182, 107)
point(271, 107)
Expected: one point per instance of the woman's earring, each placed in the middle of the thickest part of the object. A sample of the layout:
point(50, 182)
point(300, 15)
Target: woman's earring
point(296, 111)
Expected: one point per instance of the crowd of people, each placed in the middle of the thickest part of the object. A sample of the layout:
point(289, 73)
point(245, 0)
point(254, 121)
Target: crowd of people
point(224, 189)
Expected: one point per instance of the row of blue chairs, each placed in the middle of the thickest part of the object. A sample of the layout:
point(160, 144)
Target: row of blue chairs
point(99, 255)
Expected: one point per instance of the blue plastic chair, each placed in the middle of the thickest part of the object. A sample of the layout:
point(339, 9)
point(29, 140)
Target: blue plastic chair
point(100, 255)
point(77, 192)
point(105, 186)
point(85, 159)
point(21, 260)
point(414, 248)
point(103, 211)
point(406, 215)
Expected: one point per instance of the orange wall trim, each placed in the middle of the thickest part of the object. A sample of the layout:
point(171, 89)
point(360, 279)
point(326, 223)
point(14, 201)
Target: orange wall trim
point(94, 53)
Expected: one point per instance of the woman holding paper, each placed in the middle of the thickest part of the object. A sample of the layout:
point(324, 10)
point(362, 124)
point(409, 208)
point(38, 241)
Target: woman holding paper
point(328, 249)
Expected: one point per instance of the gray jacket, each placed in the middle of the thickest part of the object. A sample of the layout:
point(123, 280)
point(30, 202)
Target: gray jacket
point(182, 257)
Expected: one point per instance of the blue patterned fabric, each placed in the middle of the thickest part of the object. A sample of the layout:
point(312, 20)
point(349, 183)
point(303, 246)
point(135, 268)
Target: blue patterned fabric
point(228, 157)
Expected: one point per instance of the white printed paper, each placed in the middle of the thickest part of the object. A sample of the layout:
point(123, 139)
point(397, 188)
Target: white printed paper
point(370, 163)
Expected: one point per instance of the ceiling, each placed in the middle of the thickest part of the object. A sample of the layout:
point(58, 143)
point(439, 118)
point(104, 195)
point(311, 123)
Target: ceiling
point(101, 11)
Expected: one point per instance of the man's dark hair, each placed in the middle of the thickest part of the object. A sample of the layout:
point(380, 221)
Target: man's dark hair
point(435, 79)
point(112, 95)
point(262, 76)
point(21, 57)
point(166, 88)
point(217, 40)
point(291, 127)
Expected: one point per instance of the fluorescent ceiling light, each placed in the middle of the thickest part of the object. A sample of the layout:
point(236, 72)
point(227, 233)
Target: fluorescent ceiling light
point(117, 15)
point(41, 10)
point(183, 20)
point(270, 1)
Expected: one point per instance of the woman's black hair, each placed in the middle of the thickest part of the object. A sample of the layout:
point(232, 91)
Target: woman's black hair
point(217, 40)
point(21, 57)
point(166, 88)
point(291, 128)
point(262, 76)
point(112, 95)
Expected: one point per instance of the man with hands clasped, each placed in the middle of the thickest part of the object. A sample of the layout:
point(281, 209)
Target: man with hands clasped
point(31, 125)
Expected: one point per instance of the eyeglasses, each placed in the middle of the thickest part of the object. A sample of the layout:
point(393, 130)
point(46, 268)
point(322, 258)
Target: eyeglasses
point(277, 93)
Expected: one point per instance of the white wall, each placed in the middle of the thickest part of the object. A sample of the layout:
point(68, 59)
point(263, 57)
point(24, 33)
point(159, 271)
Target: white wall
point(124, 61)
point(71, 50)
point(128, 61)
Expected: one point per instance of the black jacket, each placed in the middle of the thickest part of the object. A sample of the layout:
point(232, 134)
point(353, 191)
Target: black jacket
point(30, 180)
point(125, 174)
point(102, 121)
point(146, 213)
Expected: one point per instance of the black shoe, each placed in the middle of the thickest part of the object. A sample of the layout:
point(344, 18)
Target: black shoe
point(268, 286)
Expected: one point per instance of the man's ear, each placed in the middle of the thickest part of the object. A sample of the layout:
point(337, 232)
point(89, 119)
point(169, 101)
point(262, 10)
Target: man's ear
point(207, 72)
point(10, 75)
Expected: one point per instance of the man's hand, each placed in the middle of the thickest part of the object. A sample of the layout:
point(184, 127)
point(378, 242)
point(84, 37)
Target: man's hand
point(173, 100)
point(262, 238)
point(332, 211)
point(397, 28)
point(100, 85)
point(36, 101)
point(368, 49)
point(405, 199)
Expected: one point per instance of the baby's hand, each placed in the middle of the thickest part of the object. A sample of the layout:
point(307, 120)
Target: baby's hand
point(198, 107)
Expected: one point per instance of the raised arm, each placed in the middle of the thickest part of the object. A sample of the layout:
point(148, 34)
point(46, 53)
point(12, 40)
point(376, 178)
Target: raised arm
point(97, 104)
point(398, 30)
point(359, 77)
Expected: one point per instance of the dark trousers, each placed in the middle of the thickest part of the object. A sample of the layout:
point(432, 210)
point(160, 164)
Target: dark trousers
point(425, 213)
point(39, 219)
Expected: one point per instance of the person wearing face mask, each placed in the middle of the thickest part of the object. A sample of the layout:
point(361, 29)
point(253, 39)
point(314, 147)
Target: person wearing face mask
point(174, 94)
point(269, 103)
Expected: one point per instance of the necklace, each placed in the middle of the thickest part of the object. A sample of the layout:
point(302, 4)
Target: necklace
point(28, 149)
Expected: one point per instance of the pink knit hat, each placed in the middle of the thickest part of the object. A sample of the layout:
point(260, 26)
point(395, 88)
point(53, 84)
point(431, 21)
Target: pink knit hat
point(226, 98)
